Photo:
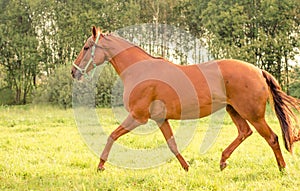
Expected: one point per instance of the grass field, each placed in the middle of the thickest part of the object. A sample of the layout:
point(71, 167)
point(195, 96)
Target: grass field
point(41, 149)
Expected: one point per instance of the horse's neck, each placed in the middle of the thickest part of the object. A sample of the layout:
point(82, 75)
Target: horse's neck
point(124, 54)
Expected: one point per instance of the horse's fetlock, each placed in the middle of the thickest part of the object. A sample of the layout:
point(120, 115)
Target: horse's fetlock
point(249, 133)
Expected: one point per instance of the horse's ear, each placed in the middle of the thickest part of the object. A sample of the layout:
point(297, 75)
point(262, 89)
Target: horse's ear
point(94, 31)
point(99, 31)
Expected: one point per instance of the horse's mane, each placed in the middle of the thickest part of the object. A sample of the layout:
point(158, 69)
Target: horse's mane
point(155, 57)
point(136, 46)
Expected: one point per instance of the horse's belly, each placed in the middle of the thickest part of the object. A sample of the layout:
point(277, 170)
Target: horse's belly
point(191, 112)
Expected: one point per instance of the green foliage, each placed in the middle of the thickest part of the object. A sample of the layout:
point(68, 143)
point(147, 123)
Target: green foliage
point(6, 96)
point(57, 89)
point(105, 85)
point(96, 92)
point(39, 36)
point(264, 33)
point(18, 48)
point(295, 82)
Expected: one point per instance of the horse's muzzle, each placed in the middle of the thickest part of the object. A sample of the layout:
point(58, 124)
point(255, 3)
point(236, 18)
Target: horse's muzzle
point(76, 74)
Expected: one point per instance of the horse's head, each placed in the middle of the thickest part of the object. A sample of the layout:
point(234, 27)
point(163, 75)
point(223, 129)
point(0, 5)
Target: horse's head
point(90, 56)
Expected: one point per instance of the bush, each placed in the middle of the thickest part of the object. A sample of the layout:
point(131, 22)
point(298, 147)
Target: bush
point(6, 96)
point(58, 89)
point(105, 84)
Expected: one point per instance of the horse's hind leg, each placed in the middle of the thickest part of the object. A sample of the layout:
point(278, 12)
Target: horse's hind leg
point(244, 131)
point(265, 131)
point(168, 134)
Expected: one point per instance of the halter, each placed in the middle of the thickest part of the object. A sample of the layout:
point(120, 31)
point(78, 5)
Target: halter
point(83, 70)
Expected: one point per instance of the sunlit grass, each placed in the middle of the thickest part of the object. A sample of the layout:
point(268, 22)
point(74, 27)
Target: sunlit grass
point(41, 149)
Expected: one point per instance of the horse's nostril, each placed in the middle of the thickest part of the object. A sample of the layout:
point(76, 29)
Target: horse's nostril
point(73, 73)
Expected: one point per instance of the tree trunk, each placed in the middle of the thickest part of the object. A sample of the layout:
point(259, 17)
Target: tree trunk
point(18, 95)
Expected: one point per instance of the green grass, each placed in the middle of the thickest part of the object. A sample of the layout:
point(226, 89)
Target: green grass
point(41, 149)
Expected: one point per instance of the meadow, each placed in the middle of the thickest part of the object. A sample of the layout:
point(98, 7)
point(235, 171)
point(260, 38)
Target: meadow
point(42, 149)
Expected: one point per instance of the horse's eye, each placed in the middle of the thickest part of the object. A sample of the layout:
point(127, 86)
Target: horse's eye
point(86, 48)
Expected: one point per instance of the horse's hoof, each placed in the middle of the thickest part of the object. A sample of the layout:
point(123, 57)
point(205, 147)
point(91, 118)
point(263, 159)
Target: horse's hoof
point(223, 166)
point(100, 168)
point(282, 171)
point(186, 168)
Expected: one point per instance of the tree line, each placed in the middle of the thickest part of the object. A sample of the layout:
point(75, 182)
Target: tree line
point(39, 37)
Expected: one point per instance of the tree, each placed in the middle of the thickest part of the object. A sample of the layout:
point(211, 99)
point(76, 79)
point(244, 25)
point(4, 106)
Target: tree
point(295, 82)
point(264, 33)
point(39, 36)
point(18, 49)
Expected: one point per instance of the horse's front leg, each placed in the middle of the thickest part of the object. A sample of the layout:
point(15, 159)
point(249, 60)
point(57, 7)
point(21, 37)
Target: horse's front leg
point(129, 124)
point(168, 134)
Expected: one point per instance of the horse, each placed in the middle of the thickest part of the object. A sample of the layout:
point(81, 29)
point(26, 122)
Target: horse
point(157, 89)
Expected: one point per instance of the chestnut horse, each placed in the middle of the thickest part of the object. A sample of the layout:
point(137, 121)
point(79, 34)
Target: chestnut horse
point(157, 89)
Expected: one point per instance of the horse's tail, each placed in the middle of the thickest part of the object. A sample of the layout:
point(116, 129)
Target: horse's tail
point(284, 105)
